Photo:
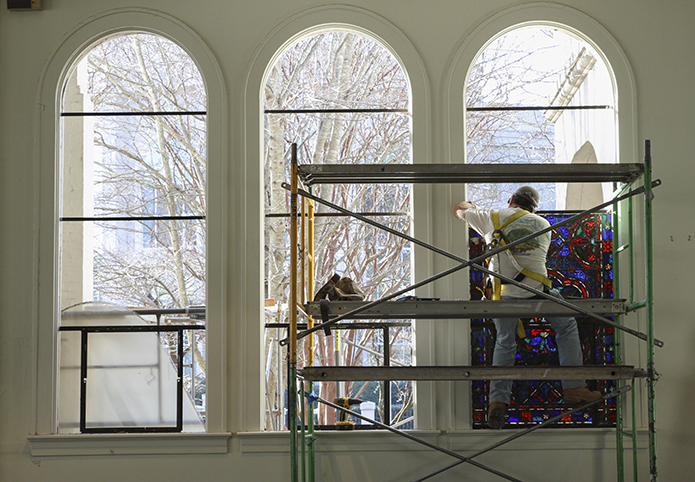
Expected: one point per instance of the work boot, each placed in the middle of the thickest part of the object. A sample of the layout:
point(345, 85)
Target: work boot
point(497, 415)
point(580, 394)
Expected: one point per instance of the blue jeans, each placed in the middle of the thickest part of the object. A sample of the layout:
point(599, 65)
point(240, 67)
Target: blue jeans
point(567, 339)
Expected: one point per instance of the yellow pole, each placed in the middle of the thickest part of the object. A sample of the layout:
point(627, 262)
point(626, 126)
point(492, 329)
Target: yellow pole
point(302, 252)
point(310, 323)
point(310, 270)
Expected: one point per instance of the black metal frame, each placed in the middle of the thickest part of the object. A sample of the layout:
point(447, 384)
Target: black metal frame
point(86, 330)
point(385, 327)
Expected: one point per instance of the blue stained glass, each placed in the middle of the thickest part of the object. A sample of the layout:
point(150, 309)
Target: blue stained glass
point(580, 265)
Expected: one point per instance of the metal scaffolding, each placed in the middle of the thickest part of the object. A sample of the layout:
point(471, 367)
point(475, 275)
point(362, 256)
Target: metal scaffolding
point(302, 437)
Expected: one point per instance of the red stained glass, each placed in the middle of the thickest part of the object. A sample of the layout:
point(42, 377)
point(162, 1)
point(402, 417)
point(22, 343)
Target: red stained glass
point(580, 265)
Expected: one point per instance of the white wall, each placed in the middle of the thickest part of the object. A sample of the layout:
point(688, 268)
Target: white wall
point(656, 38)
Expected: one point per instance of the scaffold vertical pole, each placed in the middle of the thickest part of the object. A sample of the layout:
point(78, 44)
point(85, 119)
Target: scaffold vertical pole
point(631, 252)
point(292, 345)
point(302, 430)
point(310, 438)
point(635, 455)
point(622, 404)
point(619, 411)
point(649, 295)
point(302, 299)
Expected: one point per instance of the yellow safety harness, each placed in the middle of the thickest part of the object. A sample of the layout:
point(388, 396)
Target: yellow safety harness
point(499, 240)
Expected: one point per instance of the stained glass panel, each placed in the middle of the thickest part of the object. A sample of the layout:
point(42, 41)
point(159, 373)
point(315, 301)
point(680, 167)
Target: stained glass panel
point(580, 264)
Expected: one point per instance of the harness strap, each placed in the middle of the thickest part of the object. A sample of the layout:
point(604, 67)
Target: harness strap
point(537, 277)
point(497, 233)
point(498, 236)
point(323, 304)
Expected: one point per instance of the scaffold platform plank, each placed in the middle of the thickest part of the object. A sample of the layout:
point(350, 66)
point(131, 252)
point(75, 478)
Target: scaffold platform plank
point(466, 173)
point(449, 373)
point(455, 309)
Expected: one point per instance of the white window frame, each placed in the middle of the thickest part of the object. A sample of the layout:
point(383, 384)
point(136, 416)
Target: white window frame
point(537, 14)
point(321, 29)
point(46, 282)
point(373, 26)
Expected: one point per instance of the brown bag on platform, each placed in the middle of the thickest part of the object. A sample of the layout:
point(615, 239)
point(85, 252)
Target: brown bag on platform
point(340, 289)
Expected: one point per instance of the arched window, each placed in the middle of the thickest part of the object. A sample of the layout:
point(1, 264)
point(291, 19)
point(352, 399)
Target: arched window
point(538, 94)
point(133, 239)
point(344, 99)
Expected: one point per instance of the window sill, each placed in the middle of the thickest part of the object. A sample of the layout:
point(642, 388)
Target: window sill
point(128, 444)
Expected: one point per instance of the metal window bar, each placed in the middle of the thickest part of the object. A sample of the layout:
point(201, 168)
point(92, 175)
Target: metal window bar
point(128, 218)
point(336, 111)
point(335, 215)
point(124, 114)
point(537, 107)
point(86, 330)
